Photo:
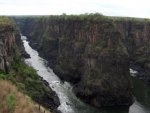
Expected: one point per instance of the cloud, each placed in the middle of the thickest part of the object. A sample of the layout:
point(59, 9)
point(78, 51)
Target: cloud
point(134, 8)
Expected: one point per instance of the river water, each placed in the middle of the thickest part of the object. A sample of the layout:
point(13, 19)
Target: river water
point(69, 103)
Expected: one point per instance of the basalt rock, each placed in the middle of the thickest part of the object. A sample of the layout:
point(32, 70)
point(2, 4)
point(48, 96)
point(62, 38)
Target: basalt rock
point(50, 99)
point(93, 52)
point(7, 46)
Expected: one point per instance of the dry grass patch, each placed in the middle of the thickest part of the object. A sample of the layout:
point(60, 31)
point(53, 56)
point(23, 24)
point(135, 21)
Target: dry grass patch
point(12, 101)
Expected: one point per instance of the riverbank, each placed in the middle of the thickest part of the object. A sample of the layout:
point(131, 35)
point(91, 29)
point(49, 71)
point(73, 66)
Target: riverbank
point(29, 83)
point(27, 80)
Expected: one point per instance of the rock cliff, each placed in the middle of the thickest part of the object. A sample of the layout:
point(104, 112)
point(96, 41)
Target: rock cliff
point(93, 52)
point(7, 43)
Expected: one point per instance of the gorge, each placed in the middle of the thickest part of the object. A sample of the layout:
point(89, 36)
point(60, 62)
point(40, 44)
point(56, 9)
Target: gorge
point(84, 62)
point(93, 52)
point(69, 103)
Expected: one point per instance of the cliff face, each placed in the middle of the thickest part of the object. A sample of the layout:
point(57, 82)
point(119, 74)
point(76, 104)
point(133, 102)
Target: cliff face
point(7, 45)
point(137, 41)
point(94, 54)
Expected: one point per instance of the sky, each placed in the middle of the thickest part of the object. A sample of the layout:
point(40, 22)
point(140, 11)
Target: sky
point(130, 8)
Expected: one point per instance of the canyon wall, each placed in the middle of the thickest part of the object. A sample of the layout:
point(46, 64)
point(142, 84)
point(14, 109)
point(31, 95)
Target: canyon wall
point(7, 43)
point(93, 52)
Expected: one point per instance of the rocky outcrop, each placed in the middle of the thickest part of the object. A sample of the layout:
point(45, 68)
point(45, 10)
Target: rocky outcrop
point(7, 46)
point(137, 40)
point(93, 52)
point(10, 44)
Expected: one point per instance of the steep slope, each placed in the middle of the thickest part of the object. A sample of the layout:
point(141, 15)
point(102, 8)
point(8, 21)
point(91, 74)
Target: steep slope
point(13, 68)
point(12, 101)
point(92, 51)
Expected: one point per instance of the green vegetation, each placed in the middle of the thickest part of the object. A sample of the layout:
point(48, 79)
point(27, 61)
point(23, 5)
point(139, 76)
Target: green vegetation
point(29, 81)
point(2, 75)
point(6, 21)
point(26, 80)
point(82, 17)
point(22, 76)
point(11, 101)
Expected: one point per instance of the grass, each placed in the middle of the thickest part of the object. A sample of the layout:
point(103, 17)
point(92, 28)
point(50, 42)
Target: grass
point(12, 101)
point(28, 82)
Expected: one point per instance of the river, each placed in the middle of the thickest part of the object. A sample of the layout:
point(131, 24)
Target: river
point(69, 103)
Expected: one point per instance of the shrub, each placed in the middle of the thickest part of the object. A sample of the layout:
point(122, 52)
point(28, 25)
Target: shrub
point(11, 102)
point(2, 76)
